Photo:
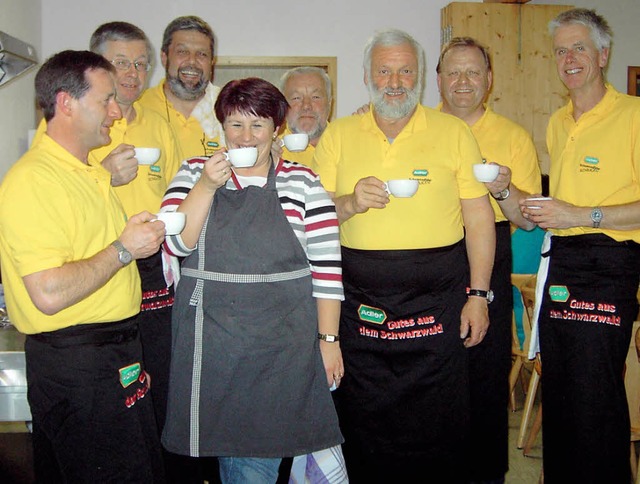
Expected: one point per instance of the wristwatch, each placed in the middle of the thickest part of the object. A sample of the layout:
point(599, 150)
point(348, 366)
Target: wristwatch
point(329, 338)
point(124, 256)
point(503, 195)
point(596, 217)
point(488, 295)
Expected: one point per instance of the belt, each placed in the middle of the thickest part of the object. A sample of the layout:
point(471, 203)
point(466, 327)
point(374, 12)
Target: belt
point(503, 223)
point(90, 334)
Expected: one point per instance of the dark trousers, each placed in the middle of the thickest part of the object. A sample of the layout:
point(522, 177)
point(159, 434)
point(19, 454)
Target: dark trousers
point(586, 319)
point(93, 418)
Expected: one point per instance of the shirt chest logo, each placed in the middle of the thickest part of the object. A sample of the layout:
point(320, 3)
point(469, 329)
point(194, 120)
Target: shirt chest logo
point(589, 165)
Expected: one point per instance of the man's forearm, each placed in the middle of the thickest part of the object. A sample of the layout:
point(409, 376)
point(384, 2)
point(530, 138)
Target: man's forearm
point(55, 289)
point(480, 240)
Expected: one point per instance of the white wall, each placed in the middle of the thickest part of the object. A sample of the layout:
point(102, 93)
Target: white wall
point(279, 27)
point(20, 19)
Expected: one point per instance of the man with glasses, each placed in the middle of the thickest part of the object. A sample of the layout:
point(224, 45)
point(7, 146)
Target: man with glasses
point(186, 96)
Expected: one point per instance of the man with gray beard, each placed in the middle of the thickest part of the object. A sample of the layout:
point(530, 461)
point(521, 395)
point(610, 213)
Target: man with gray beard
point(186, 96)
point(308, 92)
point(416, 273)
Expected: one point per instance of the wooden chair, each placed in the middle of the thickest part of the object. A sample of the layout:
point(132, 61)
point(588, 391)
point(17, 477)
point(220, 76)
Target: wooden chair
point(526, 284)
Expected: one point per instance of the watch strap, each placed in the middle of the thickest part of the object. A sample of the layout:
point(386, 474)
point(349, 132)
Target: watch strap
point(488, 295)
point(329, 338)
point(501, 196)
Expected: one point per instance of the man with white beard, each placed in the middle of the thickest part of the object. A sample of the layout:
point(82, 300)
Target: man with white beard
point(416, 288)
point(186, 96)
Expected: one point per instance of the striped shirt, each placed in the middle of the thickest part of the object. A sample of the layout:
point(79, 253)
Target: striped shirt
point(307, 207)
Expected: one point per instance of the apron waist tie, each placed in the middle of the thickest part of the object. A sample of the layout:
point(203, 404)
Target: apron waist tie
point(245, 278)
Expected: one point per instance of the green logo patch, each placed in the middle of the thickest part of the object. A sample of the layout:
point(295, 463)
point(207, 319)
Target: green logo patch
point(212, 144)
point(154, 168)
point(371, 315)
point(591, 160)
point(129, 374)
point(420, 172)
point(559, 293)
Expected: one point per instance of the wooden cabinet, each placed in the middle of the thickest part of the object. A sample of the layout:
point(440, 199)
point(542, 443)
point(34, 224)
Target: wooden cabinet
point(526, 87)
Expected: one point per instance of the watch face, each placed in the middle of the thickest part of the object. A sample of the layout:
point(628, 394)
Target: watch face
point(125, 256)
point(490, 296)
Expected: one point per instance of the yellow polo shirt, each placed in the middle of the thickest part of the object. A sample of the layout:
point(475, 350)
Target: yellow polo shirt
point(193, 139)
point(55, 209)
point(595, 161)
point(507, 143)
point(146, 190)
point(435, 148)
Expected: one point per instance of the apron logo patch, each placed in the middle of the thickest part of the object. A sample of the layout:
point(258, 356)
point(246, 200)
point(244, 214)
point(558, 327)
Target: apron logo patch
point(371, 315)
point(129, 374)
point(559, 293)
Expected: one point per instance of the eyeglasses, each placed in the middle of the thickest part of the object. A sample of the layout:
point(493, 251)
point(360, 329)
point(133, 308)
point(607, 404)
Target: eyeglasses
point(125, 65)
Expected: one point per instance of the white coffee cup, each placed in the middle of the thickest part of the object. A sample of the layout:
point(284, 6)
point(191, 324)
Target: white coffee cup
point(404, 188)
point(173, 221)
point(147, 156)
point(296, 141)
point(531, 202)
point(485, 172)
point(242, 157)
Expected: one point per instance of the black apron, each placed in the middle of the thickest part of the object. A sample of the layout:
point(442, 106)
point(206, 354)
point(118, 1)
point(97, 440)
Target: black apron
point(586, 318)
point(247, 377)
point(403, 402)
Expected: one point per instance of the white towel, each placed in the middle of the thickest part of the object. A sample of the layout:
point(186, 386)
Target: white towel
point(205, 114)
point(534, 344)
point(321, 467)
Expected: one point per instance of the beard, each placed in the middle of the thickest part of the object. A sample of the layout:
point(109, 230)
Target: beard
point(395, 110)
point(184, 91)
point(313, 133)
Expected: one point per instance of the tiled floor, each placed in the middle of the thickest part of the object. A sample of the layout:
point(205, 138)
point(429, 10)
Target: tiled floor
point(523, 470)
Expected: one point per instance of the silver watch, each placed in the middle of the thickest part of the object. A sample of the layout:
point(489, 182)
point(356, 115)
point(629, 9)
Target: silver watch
point(596, 217)
point(124, 256)
point(501, 196)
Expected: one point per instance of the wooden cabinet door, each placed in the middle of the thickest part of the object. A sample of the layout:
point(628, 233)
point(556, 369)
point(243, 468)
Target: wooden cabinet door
point(526, 87)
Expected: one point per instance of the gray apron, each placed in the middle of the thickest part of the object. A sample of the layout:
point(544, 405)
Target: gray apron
point(247, 377)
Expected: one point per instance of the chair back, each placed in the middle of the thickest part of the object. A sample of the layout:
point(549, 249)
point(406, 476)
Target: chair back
point(524, 291)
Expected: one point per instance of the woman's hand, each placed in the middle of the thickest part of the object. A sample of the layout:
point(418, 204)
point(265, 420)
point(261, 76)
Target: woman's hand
point(333, 364)
point(216, 172)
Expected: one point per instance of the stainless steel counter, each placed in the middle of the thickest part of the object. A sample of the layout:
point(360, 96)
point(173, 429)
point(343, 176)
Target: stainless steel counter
point(13, 378)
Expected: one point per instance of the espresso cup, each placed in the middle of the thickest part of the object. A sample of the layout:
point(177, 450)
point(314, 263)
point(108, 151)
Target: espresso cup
point(404, 188)
point(173, 221)
point(296, 141)
point(533, 202)
point(485, 172)
point(242, 157)
point(147, 156)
